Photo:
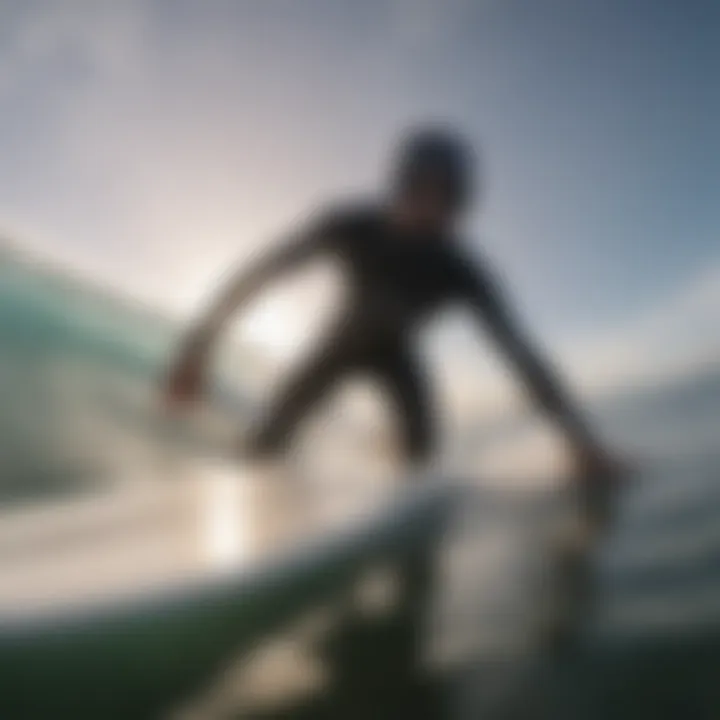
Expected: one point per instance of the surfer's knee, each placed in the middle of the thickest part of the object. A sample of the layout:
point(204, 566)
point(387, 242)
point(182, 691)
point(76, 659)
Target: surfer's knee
point(419, 449)
point(419, 438)
point(263, 444)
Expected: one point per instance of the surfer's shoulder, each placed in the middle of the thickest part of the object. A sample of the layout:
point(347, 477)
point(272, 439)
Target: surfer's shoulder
point(473, 273)
point(352, 217)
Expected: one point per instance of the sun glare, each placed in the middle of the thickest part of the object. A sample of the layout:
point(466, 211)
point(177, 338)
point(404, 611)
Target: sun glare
point(224, 526)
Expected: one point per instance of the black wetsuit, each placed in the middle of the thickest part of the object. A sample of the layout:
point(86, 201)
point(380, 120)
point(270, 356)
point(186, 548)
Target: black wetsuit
point(396, 282)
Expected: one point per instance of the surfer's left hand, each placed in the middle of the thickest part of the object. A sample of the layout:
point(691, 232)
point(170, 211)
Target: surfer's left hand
point(599, 475)
point(595, 464)
point(184, 382)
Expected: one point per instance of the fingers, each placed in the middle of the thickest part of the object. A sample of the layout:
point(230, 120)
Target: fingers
point(182, 385)
point(595, 463)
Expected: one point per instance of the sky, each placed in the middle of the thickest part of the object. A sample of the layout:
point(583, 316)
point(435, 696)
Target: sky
point(157, 144)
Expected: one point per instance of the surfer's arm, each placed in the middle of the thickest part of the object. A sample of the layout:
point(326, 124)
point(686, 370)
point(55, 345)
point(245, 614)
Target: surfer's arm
point(536, 372)
point(289, 254)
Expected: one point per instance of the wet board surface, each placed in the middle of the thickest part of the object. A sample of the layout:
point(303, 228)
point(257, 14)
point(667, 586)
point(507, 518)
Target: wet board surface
point(151, 646)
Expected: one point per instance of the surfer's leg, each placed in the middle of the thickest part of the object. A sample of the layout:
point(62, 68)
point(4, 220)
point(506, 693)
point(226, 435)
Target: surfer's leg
point(408, 392)
point(304, 390)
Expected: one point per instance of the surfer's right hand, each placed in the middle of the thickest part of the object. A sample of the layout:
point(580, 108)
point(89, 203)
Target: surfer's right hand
point(184, 382)
point(600, 477)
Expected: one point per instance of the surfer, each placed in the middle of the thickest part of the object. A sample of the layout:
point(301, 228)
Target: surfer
point(403, 261)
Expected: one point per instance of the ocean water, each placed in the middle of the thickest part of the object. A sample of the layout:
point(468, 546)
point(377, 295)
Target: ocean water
point(79, 413)
point(79, 373)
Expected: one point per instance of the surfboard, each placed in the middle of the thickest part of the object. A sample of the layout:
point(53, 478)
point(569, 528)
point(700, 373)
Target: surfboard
point(140, 655)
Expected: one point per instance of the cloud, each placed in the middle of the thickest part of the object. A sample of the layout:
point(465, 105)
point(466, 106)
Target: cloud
point(423, 22)
point(102, 34)
point(141, 164)
point(676, 337)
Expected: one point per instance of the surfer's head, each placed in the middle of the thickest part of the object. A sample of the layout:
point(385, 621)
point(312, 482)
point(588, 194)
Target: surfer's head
point(433, 177)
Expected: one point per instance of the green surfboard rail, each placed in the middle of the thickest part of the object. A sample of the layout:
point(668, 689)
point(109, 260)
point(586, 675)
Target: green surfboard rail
point(141, 658)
